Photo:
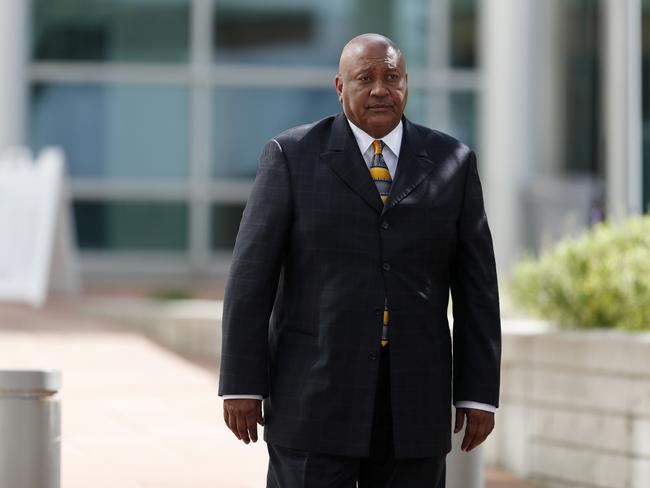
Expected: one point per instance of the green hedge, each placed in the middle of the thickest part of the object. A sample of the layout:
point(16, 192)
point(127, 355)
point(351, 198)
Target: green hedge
point(600, 279)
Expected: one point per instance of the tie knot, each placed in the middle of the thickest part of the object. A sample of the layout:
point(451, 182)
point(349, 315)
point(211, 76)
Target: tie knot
point(378, 146)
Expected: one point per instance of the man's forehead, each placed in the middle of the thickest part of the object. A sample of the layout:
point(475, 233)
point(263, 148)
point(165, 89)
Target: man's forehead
point(370, 63)
point(366, 57)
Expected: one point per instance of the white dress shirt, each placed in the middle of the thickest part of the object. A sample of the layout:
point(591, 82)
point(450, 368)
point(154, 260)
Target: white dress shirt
point(393, 142)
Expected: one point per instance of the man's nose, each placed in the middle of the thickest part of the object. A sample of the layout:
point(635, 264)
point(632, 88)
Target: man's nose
point(379, 89)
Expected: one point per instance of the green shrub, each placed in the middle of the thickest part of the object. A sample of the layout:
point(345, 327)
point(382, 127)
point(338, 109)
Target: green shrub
point(172, 294)
point(600, 279)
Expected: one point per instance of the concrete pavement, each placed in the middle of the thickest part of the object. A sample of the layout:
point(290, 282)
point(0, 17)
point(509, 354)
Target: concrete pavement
point(135, 415)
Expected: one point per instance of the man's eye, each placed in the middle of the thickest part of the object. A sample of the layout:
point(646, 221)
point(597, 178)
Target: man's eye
point(363, 78)
point(393, 76)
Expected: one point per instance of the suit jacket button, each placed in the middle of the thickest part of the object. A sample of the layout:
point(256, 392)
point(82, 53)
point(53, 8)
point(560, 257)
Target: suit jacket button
point(385, 225)
point(378, 312)
point(373, 356)
point(386, 267)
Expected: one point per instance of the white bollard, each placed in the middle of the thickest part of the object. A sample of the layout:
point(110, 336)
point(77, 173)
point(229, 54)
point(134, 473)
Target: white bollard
point(30, 429)
point(464, 469)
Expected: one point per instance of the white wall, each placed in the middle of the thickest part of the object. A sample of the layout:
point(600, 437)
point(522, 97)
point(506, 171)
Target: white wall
point(575, 408)
point(14, 15)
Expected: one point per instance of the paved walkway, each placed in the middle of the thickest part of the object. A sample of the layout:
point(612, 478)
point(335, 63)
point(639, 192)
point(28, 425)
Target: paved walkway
point(135, 415)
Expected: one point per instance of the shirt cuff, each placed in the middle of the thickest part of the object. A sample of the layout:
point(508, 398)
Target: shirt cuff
point(476, 405)
point(243, 397)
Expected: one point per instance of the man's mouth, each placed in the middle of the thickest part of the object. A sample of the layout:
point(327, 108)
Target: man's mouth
point(379, 107)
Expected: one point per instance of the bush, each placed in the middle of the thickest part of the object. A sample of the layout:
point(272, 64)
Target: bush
point(172, 294)
point(600, 279)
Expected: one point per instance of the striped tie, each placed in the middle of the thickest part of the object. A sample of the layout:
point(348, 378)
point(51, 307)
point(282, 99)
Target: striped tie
point(381, 175)
point(379, 171)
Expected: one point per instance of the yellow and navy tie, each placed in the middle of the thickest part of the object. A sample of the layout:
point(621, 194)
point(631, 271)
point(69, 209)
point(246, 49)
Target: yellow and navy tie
point(381, 176)
point(379, 170)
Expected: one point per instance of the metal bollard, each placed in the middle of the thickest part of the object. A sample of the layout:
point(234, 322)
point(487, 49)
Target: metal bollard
point(464, 469)
point(30, 429)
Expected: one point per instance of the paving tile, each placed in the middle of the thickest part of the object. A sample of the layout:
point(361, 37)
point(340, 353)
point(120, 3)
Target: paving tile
point(134, 414)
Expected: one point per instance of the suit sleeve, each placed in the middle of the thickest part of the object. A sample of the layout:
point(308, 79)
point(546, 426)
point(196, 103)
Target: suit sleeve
point(252, 284)
point(475, 296)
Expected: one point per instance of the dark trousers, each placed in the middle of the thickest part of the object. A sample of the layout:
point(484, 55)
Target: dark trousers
point(292, 468)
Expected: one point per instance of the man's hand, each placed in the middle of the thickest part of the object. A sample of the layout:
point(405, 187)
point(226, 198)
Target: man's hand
point(242, 417)
point(479, 425)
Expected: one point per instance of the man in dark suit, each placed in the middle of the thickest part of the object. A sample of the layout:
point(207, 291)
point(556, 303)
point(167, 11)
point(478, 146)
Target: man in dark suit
point(335, 313)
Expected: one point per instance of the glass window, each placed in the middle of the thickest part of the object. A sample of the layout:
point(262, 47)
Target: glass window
point(646, 104)
point(462, 115)
point(582, 110)
point(111, 30)
point(225, 220)
point(417, 107)
point(464, 30)
point(246, 118)
point(131, 226)
point(114, 131)
point(312, 32)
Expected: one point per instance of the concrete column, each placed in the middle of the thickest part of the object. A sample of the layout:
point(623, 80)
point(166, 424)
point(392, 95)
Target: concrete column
point(551, 97)
point(201, 134)
point(622, 103)
point(507, 116)
point(14, 53)
point(30, 423)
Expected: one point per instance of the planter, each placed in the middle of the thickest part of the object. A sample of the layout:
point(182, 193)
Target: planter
point(575, 407)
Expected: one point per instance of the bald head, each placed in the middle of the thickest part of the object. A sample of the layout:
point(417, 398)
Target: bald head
point(356, 47)
point(372, 83)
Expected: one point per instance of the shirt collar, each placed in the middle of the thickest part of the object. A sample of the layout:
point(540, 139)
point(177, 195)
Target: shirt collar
point(393, 139)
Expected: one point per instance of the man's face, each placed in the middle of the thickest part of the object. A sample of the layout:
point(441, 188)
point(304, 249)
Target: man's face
point(372, 86)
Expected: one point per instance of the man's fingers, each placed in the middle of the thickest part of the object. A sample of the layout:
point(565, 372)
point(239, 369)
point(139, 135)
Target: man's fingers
point(470, 433)
point(260, 418)
point(480, 436)
point(460, 420)
point(242, 416)
point(242, 428)
point(231, 421)
point(475, 440)
point(252, 427)
point(232, 425)
point(479, 425)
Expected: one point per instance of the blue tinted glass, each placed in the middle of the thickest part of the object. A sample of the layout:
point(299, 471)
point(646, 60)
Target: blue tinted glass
point(464, 30)
point(114, 131)
point(417, 107)
point(110, 30)
point(131, 226)
point(225, 220)
point(246, 118)
point(312, 32)
point(462, 115)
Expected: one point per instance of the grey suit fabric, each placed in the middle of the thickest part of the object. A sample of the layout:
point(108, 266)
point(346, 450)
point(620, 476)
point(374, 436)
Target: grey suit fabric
point(316, 254)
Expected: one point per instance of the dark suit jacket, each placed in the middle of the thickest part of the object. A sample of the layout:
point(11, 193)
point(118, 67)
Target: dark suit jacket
point(314, 223)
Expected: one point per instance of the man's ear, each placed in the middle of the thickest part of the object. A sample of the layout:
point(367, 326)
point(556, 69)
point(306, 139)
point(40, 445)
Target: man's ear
point(338, 82)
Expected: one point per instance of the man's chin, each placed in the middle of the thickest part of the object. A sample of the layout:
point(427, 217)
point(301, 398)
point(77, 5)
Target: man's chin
point(390, 112)
point(379, 122)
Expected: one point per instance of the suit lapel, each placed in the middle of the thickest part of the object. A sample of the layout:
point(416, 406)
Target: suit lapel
point(343, 156)
point(413, 167)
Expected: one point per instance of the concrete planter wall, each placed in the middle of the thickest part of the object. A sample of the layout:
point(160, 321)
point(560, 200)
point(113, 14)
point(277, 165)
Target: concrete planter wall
point(191, 327)
point(575, 405)
point(575, 408)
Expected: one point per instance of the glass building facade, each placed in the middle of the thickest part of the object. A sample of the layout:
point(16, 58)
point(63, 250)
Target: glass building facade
point(162, 106)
